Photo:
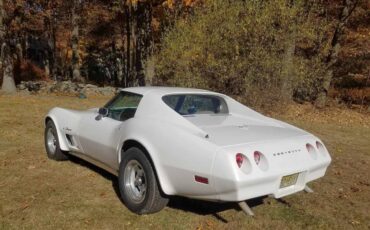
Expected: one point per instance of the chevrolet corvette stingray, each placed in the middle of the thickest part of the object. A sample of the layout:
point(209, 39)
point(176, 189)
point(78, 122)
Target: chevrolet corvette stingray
point(163, 141)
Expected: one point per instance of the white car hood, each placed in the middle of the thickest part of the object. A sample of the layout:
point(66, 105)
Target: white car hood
point(234, 130)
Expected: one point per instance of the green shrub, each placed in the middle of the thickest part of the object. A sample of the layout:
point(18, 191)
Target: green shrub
point(240, 48)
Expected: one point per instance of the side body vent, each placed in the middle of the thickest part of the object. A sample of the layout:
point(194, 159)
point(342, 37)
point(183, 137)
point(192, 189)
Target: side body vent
point(70, 140)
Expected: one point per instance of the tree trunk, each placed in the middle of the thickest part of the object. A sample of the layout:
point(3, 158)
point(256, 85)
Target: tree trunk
point(144, 39)
point(133, 43)
point(8, 85)
point(47, 68)
point(2, 16)
point(6, 62)
point(76, 75)
point(2, 34)
point(52, 41)
point(54, 63)
point(288, 67)
point(19, 50)
point(331, 59)
point(138, 40)
point(119, 67)
point(288, 59)
point(128, 9)
point(149, 70)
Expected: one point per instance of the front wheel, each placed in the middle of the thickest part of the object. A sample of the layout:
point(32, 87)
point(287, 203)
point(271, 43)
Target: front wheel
point(138, 184)
point(52, 143)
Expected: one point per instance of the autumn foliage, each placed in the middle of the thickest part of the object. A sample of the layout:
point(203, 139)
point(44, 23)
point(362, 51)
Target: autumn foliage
point(258, 51)
point(242, 48)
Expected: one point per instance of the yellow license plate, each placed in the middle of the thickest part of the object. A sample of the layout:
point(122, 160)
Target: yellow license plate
point(289, 180)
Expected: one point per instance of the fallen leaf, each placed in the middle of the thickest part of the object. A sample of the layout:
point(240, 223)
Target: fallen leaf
point(31, 167)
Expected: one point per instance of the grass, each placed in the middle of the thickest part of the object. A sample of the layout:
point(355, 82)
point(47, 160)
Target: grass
point(37, 193)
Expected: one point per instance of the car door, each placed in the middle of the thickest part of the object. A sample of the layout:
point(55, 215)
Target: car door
point(100, 135)
point(99, 138)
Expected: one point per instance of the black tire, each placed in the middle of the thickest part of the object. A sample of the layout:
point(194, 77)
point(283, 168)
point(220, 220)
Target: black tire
point(53, 150)
point(138, 199)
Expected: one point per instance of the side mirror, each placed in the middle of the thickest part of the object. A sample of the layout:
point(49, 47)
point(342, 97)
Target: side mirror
point(103, 112)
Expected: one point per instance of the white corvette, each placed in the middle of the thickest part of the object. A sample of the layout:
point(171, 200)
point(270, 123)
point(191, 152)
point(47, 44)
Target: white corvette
point(187, 142)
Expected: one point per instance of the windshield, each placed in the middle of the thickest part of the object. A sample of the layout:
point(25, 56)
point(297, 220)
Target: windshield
point(188, 104)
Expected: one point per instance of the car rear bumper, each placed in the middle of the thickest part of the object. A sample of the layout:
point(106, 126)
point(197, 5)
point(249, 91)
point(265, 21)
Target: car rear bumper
point(281, 158)
point(268, 185)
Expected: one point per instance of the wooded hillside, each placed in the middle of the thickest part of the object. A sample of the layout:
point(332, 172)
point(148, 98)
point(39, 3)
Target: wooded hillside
point(276, 50)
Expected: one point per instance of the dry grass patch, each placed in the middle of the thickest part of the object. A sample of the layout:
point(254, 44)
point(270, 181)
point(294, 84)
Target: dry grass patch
point(37, 193)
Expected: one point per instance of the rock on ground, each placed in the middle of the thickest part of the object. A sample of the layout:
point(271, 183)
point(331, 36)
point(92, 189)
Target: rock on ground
point(64, 87)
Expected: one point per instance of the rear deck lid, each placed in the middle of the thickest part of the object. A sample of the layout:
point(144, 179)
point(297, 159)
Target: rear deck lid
point(233, 130)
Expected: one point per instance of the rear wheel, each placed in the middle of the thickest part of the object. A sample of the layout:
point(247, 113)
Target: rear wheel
point(52, 143)
point(138, 184)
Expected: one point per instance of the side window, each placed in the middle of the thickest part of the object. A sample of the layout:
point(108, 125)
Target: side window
point(123, 106)
point(172, 101)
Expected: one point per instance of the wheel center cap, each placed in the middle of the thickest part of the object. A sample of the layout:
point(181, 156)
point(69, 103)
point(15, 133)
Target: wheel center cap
point(138, 181)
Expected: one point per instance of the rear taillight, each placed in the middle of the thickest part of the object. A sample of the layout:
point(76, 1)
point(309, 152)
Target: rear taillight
point(243, 163)
point(239, 159)
point(257, 157)
point(321, 148)
point(311, 150)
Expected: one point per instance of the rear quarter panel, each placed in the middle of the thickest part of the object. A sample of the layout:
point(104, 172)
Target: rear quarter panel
point(178, 155)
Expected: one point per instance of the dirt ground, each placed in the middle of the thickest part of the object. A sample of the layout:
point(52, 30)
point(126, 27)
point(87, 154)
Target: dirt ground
point(37, 193)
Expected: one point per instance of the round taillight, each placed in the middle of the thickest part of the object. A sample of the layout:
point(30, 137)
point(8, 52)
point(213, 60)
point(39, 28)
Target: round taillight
point(321, 148)
point(239, 159)
point(319, 145)
point(311, 150)
point(257, 157)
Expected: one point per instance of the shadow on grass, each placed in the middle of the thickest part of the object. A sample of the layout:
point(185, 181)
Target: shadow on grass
point(99, 171)
point(209, 208)
point(180, 203)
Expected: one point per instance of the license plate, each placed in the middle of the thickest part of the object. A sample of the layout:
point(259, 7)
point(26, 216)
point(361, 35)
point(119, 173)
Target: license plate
point(289, 180)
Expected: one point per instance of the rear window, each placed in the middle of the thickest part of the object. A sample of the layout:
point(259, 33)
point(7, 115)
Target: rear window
point(188, 104)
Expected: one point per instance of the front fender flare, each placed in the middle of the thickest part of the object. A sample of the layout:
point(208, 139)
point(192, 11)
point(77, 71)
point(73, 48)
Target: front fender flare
point(62, 141)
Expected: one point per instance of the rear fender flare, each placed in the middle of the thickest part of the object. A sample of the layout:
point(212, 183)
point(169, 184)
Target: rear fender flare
point(162, 178)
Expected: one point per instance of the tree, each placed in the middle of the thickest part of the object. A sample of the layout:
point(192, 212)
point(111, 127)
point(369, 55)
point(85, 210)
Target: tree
point(6, 59)
point(288, 59)
point(130, 39)
point(8, 85)
point(243, 48)
point(50, 22)
point(75, 41)
point(139, 46)
point(2, 26)
point(332, 57)
point(144, 45)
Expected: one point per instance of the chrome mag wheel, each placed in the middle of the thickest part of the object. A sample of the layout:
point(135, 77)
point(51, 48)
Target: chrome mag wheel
point(135, 181)
point(51, 141)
